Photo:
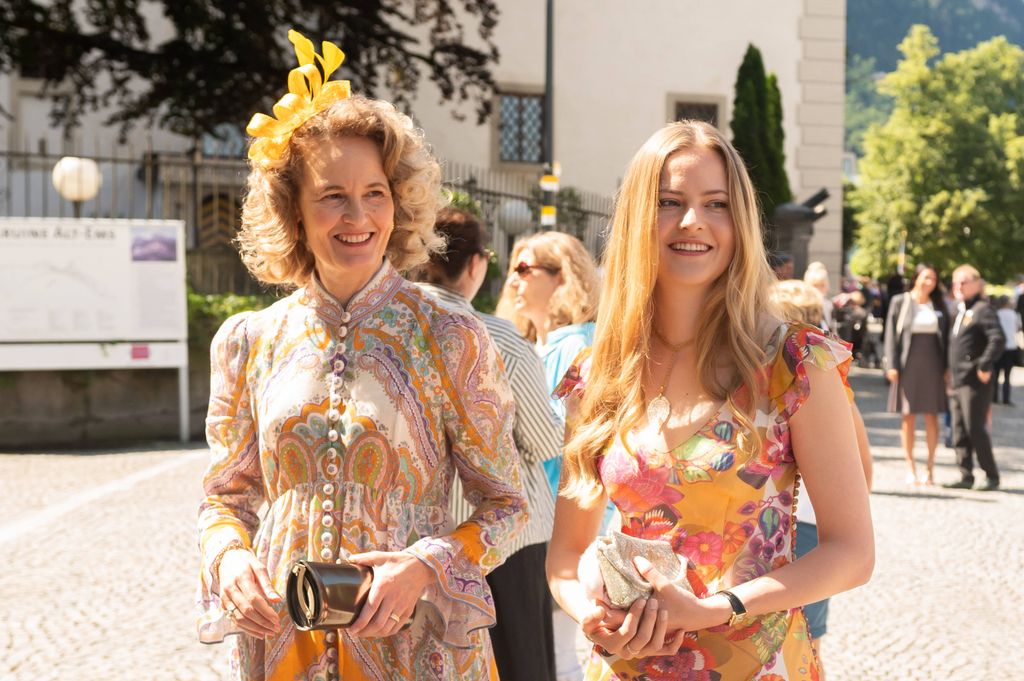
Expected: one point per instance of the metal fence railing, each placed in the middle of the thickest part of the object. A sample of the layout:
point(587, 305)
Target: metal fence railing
point(205, 190)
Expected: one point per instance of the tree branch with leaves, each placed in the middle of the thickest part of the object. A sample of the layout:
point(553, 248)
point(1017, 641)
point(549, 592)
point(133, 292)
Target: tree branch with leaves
point(225, 59)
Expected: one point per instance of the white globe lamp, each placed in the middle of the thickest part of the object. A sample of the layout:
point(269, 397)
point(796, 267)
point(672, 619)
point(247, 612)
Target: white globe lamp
point(515, 217)
point(77, 180)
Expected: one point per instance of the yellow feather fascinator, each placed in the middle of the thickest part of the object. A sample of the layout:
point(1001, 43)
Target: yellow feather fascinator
point(308, 94)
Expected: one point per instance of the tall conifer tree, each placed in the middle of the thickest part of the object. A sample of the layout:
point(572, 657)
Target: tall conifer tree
point(757, 131)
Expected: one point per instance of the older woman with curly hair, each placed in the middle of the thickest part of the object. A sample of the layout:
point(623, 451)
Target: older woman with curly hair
point(340, 415)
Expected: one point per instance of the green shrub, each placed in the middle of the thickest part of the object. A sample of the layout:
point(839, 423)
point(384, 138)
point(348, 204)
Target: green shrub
point(206, 312)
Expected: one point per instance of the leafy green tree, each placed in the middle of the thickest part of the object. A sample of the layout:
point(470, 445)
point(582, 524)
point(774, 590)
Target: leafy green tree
point(757, 131)
point(226, 59)
point(946, 171)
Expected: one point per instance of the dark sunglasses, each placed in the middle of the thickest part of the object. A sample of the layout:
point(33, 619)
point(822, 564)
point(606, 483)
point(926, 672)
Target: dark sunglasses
point(522, 269)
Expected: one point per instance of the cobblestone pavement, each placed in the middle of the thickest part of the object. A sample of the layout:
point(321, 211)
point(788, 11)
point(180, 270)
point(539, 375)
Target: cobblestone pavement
point(944, 601)
point(98, 566)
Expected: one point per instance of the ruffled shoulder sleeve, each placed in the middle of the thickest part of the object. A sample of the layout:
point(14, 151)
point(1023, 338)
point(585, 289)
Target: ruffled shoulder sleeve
point(800, 345)
point(573, 383)
point(574, 380)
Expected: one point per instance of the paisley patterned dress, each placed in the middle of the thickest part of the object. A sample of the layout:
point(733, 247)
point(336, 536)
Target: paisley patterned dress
point(338, 430)
point(730, 514)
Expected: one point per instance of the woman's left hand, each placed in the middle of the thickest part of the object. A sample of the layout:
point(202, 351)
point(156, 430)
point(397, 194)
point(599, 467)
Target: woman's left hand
point(399, 579)
point(685, 610)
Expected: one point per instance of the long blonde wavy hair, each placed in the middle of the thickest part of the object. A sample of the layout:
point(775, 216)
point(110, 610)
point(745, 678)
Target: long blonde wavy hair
point(730, 323)
point(271, 241)
point(574, 301)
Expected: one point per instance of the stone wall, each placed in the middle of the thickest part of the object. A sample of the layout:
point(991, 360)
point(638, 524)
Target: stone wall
point(47, 409)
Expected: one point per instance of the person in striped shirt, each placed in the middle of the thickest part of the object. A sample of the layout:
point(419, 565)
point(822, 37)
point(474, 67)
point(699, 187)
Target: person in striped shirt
point(522, 638)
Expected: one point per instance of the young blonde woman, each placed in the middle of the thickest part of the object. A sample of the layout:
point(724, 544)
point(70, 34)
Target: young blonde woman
point(551, 295)
point(702, 417)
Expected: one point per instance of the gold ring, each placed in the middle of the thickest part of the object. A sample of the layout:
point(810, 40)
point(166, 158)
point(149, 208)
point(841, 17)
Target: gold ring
point(630, 650)
point(395, 617)
point(230, 611)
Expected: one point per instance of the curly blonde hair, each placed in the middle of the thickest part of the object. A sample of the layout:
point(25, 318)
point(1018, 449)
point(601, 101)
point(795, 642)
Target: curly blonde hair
point(730, 327)
point(271, 241)
point(797, 301)
point(575, 299)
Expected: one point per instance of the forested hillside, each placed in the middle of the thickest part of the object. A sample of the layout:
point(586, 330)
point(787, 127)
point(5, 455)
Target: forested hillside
point(876, 27)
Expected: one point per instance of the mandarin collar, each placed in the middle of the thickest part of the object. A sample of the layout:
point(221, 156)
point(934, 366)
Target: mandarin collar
point(380, 289)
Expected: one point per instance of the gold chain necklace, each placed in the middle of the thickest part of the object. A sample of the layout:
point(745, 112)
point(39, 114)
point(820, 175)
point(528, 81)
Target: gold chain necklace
point(659, 408)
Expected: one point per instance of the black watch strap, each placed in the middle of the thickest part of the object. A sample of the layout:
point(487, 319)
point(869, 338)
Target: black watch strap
point(738, 609)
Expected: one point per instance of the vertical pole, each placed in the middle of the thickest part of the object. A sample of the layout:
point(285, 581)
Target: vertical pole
point(149, 177)
point(549, 87)
point(8, 185)
point(548, 216)
point(45, 185)
point(183, 402)
point(197, 157)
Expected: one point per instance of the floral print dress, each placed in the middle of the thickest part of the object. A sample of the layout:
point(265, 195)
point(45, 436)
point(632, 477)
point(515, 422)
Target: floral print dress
point(732, 516)
point(337, 430)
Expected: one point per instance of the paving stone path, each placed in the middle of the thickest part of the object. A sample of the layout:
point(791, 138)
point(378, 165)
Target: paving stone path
point(98, 566)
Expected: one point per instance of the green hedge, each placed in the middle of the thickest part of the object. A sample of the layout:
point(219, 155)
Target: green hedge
point(207, 312)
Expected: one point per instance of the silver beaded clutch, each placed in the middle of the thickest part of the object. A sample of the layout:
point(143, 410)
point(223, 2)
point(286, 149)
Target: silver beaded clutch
point(623, 583)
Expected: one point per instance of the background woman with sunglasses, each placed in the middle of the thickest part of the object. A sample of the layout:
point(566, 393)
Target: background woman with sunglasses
point(551, 295)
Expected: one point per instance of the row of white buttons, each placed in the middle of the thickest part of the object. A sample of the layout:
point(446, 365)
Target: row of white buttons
point(338, 366)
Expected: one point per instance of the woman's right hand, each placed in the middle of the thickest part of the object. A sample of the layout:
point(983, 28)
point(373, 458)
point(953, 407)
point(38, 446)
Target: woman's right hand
point(642, 633)
point(892, 375)
point(246, 593)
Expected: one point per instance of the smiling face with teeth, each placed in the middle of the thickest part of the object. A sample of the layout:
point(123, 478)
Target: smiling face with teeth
point(696, 235)
point(347, 212)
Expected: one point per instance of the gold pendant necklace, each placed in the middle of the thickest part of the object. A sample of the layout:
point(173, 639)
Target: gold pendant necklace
point(658, 409)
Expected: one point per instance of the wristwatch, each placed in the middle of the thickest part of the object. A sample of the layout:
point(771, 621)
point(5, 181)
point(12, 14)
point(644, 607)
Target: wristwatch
point(738, 610)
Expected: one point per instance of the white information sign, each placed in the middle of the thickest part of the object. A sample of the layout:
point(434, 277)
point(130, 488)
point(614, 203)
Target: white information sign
point(68, 280)
point(94, 294)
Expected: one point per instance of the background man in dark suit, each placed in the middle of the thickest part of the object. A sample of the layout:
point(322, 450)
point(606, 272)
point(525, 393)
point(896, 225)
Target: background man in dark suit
point(975, 344)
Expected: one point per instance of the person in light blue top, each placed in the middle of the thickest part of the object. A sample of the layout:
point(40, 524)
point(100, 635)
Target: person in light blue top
point(551, 296)
point(557, 355)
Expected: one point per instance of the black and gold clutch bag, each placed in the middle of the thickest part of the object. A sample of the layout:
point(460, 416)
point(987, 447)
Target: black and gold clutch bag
point(326, 595)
